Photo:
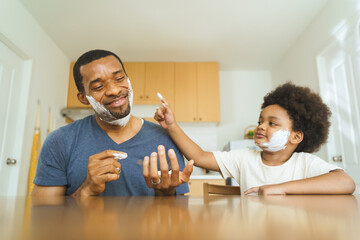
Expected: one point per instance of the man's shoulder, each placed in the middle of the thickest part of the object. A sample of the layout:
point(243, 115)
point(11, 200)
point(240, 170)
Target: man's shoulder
point(153, 128)
point(70, 129)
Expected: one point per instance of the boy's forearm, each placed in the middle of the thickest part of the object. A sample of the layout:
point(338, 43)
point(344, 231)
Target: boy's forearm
point(191, 150)
point(334, 182)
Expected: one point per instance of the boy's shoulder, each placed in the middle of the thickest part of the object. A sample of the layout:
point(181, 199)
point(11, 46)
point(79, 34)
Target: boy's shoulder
point(305, 156)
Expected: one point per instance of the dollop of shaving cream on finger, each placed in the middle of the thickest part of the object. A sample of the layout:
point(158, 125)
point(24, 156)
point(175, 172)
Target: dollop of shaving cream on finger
point(105, 115)
point(277, 142)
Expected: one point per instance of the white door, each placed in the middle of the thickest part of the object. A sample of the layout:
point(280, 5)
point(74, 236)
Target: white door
point(339, 73)
point(12, 116)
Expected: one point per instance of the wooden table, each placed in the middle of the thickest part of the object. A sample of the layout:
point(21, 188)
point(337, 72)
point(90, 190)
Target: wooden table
point(233, 217)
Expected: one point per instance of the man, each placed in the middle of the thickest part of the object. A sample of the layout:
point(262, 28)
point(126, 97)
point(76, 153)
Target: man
point(102, 154)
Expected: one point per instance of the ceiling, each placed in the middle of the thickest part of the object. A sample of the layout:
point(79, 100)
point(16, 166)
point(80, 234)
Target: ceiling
point(239, 34)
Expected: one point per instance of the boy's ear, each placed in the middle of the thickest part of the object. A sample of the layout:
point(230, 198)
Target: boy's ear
point(82, 98)
point(296, 137)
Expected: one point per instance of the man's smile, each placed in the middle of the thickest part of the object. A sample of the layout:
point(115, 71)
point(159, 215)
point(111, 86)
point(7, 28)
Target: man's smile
point(117, 102)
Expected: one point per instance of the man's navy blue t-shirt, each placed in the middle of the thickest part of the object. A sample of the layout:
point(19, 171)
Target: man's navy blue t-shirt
point(64, 157)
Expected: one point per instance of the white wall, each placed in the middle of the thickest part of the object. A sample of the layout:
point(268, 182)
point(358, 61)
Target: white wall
point(299, 63)
point(49, 76)
point(241, 96)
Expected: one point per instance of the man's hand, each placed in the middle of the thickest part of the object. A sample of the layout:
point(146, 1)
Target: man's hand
point(274, 189)
point(166, 183)
point(102, 167)
point(164, 115)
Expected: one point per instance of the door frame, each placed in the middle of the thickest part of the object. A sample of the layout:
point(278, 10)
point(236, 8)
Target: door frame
point(20, 135)
point(346, 30)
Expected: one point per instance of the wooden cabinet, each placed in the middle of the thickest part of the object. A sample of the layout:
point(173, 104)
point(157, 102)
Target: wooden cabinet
point(192, 89)
point(196, 185)
point(136, 74)
point(72, 100)
point(147, 79)
point(197, 92)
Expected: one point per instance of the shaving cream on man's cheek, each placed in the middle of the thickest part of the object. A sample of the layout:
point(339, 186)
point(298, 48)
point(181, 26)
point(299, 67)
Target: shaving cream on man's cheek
point(105, 115)
point(277, 142)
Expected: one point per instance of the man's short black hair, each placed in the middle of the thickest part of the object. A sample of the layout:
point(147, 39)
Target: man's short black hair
point(307, 112)
point(86, 58)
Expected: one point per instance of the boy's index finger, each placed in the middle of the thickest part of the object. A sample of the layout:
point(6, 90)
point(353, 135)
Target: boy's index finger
point(162, 99)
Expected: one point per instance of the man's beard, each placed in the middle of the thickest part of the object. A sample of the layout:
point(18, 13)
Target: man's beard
point(110, 117)
point(119, 115)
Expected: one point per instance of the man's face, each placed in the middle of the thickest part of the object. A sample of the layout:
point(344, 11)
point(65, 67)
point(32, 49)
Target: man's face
point(105, 80)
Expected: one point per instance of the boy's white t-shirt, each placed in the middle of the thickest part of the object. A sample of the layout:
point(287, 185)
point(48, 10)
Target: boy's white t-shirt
point(248, 170)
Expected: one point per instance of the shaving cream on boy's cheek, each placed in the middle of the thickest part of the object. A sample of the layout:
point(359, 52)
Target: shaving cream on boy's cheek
point(105, 115)
point(277, 142)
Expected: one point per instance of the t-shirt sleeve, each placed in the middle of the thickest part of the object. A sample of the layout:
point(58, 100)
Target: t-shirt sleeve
point(229, 163)
point(317, 166)
point(51, 166)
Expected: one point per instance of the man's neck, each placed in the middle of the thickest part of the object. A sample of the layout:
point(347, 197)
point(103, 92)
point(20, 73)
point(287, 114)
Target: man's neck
point(118, 133)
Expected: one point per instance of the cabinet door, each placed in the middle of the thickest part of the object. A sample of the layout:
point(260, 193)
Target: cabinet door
point(72, 100)
point(185, 105)
point(159, 77)
point(136, 74)
point(208, 92)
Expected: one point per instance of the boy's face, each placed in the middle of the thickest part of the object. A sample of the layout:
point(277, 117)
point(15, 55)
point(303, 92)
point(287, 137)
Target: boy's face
point(272, 119)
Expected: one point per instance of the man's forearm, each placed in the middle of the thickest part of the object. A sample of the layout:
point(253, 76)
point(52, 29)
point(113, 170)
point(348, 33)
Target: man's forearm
point(83, 190)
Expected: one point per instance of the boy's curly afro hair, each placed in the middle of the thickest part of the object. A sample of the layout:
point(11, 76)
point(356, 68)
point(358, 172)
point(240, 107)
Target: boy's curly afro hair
point(307, 112)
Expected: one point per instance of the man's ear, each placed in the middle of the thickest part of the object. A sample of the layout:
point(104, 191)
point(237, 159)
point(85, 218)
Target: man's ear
point(296, 137)
point(82, 98)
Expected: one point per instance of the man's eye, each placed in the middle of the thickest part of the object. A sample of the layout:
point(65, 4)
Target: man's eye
point(120, 79)
point(97, 88)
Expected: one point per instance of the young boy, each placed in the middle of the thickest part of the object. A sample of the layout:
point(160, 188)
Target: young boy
point(293, 123)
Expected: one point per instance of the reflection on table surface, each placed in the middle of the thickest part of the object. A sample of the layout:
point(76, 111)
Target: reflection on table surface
point(231, 217)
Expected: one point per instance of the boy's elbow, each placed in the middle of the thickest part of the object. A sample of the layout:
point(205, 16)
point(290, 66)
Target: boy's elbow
point(348, 184)
point(351, 186)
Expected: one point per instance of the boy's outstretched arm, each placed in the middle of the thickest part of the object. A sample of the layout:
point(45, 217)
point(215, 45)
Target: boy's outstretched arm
point(190, 149)
point(334, 182)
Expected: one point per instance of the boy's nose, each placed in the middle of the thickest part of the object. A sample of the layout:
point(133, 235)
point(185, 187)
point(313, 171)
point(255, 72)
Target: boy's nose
point(261, 126)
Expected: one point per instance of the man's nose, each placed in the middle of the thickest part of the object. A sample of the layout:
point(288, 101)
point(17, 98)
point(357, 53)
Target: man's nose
point(113, 89)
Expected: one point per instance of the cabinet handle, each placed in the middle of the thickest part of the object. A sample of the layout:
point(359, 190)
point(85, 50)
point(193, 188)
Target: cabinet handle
point(200, 119)
point(147, 96)
point(141, 97)
point(194, 119)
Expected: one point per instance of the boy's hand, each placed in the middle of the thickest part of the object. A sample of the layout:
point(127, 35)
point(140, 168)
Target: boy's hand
point(274, 189)
point(164, 115)
point(166, 183)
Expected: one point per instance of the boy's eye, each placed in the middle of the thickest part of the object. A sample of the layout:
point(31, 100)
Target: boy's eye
point(259, 123)
point(272, 124)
